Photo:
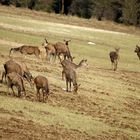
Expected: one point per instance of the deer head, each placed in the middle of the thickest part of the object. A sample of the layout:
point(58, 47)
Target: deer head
point(76, 87)
point(67, 41)
point(137, 49)
point(117, 49)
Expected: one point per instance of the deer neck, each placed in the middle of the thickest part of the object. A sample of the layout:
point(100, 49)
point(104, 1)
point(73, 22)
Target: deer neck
point(79, 65)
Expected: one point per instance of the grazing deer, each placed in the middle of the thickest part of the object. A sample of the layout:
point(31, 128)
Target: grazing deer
point(62, 48)
point(17, 67)
point(137, 50)
point(71, 77)
point(73, 65)
point(114, 57)
point(14, 79)
point(50, 50)
point(41, 82)
point(26, 49)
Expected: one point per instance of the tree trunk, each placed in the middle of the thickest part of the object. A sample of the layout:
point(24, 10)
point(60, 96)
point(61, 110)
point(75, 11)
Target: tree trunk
point(62, 10)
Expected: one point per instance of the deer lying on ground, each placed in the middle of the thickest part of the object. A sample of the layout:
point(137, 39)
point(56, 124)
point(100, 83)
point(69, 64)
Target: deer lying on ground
point(114, 57)
point(17, 67)
point(73, 65)
point(70, 76)
point(62, 48)
point(137, 50)
point(50, 50)
point(26, 49)
point(42, 83)
point(14, 79)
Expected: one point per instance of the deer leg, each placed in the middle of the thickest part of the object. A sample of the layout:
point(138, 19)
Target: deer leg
point(19, 92)
point(37, 92)
point(3, 75)
point(64, 57)
point(13, 90)
point(116, 65)
point(49, 57)
point(54, 57)
point(66, 85)
point(39, 96)
point(63, 73)
point(70, 85)
point(112, 64)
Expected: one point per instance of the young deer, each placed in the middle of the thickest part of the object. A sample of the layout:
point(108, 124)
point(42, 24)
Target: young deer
point(41, 82)
point(73, 65)
point(14, 79)
point(137, 50)
point(114, 57)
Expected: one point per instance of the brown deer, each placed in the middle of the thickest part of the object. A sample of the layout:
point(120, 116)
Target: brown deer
point(71, 77)
point(26, 49)
point(114, 57)
point(50, 50)
point(41, 82)
point(137, 50)
point(14, 79)
point(18, 67)
point(73, 65)
point(62, 48)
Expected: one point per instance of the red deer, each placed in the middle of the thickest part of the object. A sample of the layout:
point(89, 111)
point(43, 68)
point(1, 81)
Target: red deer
point(114, 56)
point(71, 77)
point(14, 79)
point(41, 82)
point(50, 50)
point(137, 50)
point(73, 65)
point(26, 49)
point(63, 49)
point(18, 67)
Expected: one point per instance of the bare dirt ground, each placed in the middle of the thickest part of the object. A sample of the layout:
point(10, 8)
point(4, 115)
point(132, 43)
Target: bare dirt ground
point(18, 129)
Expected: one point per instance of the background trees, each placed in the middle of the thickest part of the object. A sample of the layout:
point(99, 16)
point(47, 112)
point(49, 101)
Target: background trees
point(121, 11)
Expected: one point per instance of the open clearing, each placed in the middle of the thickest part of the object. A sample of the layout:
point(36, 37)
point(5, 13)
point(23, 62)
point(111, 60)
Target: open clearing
point(107, 105)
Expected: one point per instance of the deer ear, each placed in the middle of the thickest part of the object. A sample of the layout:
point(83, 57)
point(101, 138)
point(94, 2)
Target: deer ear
point(85, 60)
point(79, 85)
point(46, 40)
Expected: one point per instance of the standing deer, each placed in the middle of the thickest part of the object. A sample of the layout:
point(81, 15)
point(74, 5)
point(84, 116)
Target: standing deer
point(26, 49)
point(114, 57)
point(137, 50)
point(41, 82)
point(71, 77)
point(62, 48)
point(50, 50)
point(73, 65)
point(14, 79)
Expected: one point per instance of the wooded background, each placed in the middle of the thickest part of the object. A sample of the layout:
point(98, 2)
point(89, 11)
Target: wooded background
point(120, 11)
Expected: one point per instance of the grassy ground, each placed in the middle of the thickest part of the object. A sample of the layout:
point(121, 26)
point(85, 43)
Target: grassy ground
point(107, 105)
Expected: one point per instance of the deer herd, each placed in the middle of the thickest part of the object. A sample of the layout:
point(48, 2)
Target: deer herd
point(16, 72)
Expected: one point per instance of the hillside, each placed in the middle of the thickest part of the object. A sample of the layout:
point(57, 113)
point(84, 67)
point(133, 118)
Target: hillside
point(107, 105)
